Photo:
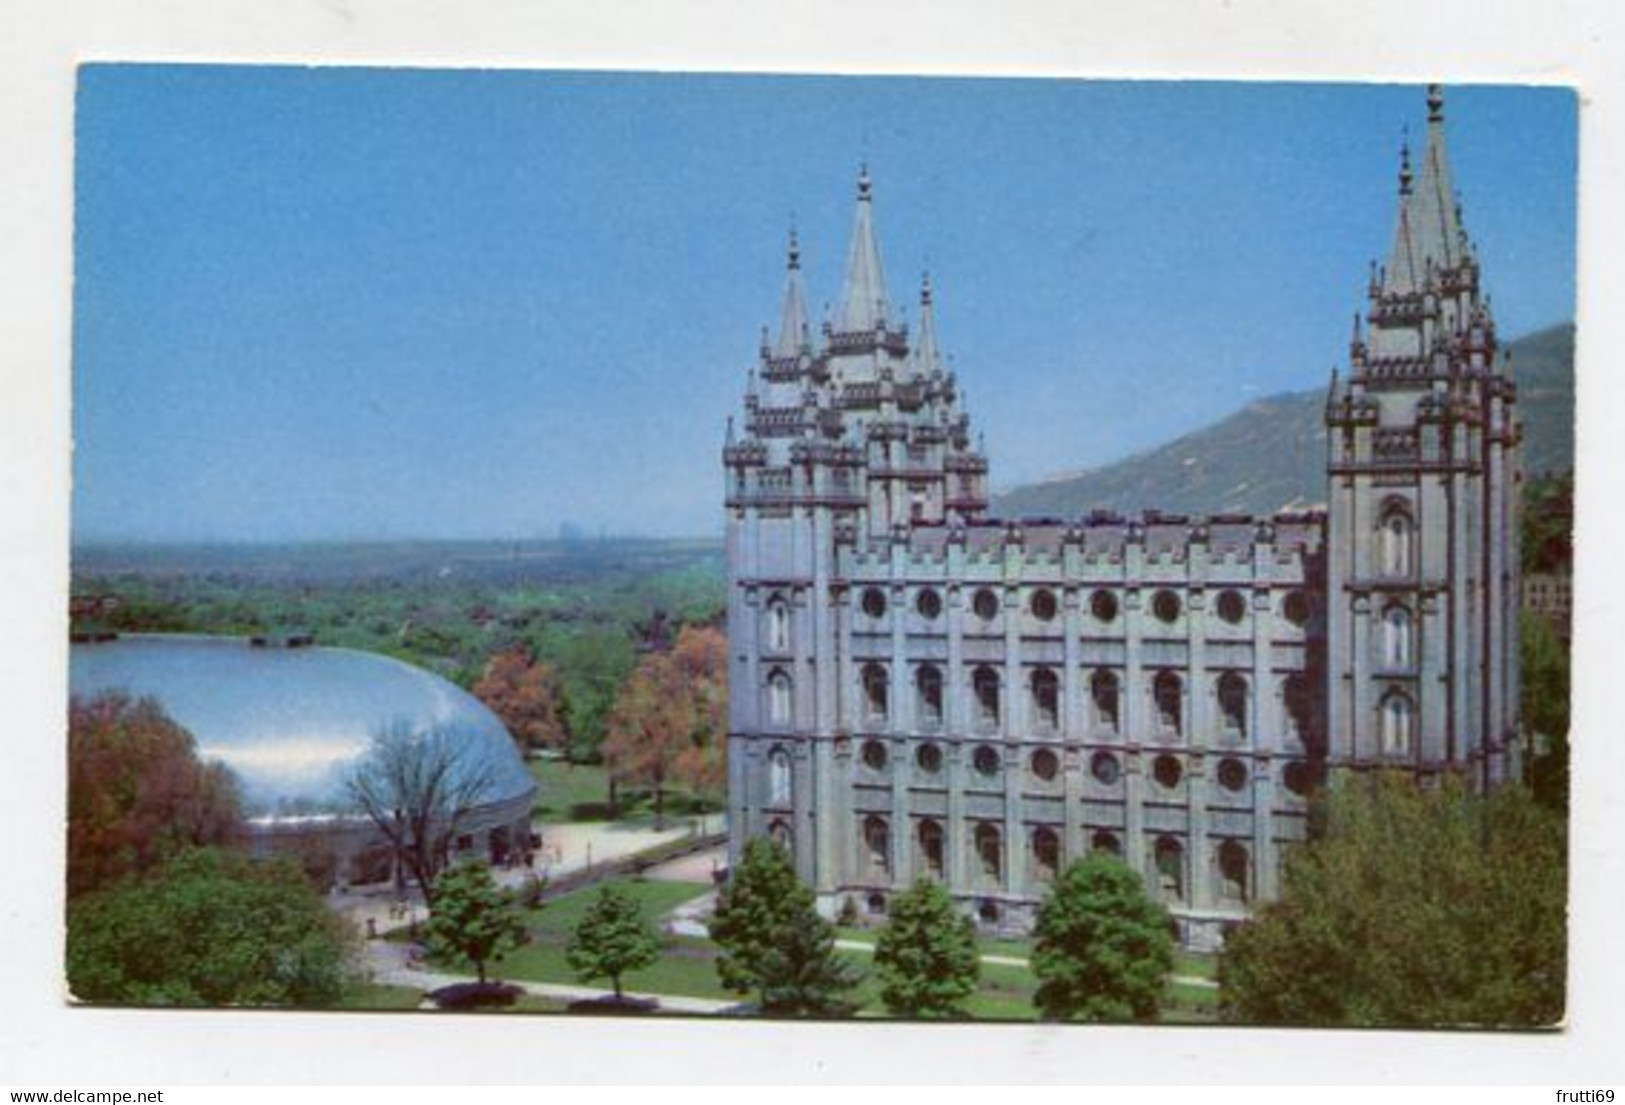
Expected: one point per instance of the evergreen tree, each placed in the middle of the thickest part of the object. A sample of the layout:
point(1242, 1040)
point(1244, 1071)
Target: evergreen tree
point(1102, 950)
point(472, 918)
point(802, 976)
point(926, 957)
point(1414, 906)
point(774, 942)
point(612, 938)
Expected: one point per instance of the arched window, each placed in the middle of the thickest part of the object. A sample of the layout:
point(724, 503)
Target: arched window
point(1233, 872)
point(1398, 721)
point(778, 777)
point(1103, 693)
point(1170, 861)
point(1046, 698)
point(876, 691)
point(1046, 853)
point(989, 854)
point(1396, 638)
point(930, 837)
point(1295, 698)
point(877, 844)
point(778, 831)
point(1168, 692)
point(778, 625)
point(1233, 704)
point(928, 692)
point(1396, 535)
point(985, 683)
point(1107, 842)
point(778, 697)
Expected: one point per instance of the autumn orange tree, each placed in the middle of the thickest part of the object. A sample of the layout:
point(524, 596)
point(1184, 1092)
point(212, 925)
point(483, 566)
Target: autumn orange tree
point(524, 693)
point(137, 791)
point(669, 722)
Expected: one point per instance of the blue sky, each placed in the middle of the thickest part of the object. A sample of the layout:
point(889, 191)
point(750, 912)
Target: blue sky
point(347, 303)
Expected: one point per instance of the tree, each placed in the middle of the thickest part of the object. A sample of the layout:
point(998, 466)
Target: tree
point(1102, 950)
point(473, 919)
point(669, 721)
point(802, 976)
point(418, 787)
point(209, 927)
point(773, 941)
point(1544, 673)
point(137, 791)
point(1415, 906)
point(525, 695)
point(926, 956)
point(612, 938)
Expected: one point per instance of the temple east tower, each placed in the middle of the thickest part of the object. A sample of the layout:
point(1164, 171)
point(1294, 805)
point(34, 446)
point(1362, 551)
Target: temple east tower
point(1422, 528)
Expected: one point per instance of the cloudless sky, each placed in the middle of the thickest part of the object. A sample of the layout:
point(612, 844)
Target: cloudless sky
point(349, 303)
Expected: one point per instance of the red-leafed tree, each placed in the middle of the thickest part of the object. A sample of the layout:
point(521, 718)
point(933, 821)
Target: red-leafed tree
point(669, 721)
point(137, 791)
point(524, 693)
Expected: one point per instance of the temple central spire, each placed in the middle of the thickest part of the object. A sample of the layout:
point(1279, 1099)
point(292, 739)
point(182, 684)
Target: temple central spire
point(863, 296)
point(793, 318)
point(1429, 234)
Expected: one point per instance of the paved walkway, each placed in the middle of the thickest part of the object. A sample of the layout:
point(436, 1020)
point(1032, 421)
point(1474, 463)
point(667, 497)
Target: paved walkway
point(1016, 961)
point(391, 965)
point(566, 849)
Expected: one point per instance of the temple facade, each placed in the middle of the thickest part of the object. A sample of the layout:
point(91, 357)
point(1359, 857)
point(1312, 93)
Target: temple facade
point(919, 689)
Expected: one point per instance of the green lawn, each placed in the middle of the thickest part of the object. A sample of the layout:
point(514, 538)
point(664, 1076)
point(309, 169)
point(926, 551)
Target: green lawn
point(580, 792)
point(568, 789)
point(687, 965)
point(369, 995)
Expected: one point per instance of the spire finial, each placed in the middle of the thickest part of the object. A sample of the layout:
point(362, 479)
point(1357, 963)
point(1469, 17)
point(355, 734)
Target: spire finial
point(1435, 103)
point(1405, 163)
point(795, 246)
point(925, 288)
point(864, 183)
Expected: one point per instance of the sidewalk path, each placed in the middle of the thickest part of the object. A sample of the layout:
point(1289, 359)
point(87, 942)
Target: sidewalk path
point(390, 966)
point(1015, 961)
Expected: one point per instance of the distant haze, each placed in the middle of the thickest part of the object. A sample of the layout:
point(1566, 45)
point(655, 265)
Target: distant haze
point(319, 304)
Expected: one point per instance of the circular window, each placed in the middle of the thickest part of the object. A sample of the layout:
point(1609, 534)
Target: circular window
point(1043, 605)
point(1165, 605)
point(1167, 772)
point(1232, 774)
point(929, 758)
point(1103, 605)
point(986, 605)
point(929, 604)
point(988, 911)
point(1045, 764)
point(1299, 778)
point(986, 760)
point(1295, 607)
point(1231, 606)
point(874, 602)
point(1105, 768)
point(874, 755)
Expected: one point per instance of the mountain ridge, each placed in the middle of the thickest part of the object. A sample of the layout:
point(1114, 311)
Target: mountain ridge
point(1270, 454)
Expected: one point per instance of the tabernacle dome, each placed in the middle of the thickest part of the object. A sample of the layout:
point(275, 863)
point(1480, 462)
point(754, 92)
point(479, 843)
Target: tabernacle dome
point(292, 723)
